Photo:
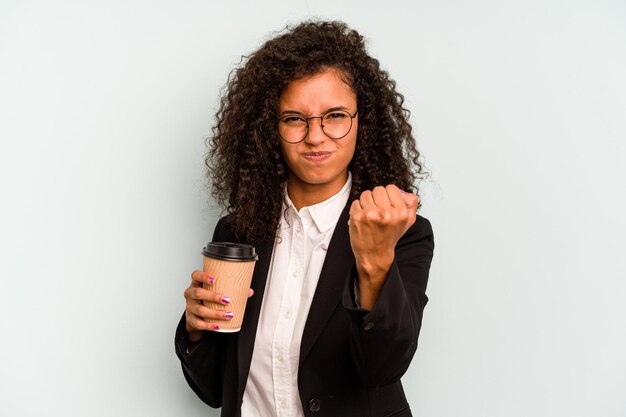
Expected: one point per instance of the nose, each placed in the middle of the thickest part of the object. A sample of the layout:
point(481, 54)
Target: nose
point(315, 134)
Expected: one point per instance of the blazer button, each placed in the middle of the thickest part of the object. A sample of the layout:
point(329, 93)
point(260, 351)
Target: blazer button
point(314, 405)
point(368, 326)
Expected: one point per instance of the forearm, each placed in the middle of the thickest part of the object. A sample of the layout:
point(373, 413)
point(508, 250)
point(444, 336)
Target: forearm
point(384, 338)
point(200, 361)
point(371, 274)
point(384, 333)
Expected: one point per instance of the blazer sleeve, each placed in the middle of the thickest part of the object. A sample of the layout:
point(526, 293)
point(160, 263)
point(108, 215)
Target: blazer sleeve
point(202, 362)
point(384, 339)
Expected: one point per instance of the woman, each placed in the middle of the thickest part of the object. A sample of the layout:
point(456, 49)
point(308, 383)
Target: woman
point(314, 160)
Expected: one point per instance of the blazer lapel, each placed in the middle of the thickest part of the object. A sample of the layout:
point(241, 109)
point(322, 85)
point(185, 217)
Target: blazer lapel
point(245, 343)
point(337, 265)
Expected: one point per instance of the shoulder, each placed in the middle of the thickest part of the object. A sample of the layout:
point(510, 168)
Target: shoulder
point(420, 233)
point(422, 226)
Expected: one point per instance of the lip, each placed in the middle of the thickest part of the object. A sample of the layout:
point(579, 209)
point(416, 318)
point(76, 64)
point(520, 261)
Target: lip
point(316, 156)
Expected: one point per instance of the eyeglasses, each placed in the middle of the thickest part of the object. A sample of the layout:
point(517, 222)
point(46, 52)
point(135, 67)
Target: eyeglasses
point(335, 124)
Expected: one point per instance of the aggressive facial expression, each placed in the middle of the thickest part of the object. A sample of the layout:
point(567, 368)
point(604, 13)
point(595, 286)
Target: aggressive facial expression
point(318, 164)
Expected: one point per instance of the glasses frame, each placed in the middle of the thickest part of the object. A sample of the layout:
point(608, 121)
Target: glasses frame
point(321, 117)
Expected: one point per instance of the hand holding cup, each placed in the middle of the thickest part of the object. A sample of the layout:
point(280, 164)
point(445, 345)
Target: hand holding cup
point(198, 316)
point(217, 296)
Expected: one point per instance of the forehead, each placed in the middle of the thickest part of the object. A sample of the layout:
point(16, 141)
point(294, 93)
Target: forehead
point(317, 92)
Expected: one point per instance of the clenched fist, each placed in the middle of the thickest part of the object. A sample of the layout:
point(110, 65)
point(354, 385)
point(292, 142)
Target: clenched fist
point(378, 219)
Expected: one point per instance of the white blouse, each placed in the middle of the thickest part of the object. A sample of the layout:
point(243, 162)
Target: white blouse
point(297, 259)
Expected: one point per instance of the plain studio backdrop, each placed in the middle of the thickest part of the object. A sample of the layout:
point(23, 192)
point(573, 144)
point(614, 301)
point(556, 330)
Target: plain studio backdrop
point(519, 109)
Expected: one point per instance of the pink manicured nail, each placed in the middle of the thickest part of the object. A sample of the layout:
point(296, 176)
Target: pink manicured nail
point(211, 280)
point(403, 192)
point(225, 300)
point(216, 327)
point(229, 315)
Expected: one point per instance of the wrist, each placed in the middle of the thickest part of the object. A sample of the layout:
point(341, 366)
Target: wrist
point(371, 277)
point(374, 268)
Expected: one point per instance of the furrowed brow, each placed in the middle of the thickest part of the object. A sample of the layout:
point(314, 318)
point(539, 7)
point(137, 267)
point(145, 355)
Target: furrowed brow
point(294, 112)
point(336, 108)
point(299, 113)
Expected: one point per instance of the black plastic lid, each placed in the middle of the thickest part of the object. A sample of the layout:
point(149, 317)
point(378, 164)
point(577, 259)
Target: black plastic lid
point(228, 251)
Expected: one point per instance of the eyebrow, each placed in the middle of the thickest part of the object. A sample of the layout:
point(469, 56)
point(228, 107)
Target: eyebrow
point(324, 112)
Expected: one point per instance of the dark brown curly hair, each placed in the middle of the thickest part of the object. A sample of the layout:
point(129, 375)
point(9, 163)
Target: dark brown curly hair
point(245, 164)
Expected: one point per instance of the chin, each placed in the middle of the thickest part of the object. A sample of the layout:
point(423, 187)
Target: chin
point(316, 180)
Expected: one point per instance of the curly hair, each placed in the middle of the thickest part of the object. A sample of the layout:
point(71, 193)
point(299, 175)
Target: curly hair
point(245, 164)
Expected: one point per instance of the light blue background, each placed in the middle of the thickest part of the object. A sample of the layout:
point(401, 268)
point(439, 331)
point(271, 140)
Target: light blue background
point(519, 109)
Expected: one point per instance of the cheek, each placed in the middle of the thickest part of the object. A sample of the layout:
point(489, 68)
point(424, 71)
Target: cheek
point(351, 148)
point(288, 152)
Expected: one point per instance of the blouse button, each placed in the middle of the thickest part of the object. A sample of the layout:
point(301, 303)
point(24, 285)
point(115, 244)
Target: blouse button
point(314, 405)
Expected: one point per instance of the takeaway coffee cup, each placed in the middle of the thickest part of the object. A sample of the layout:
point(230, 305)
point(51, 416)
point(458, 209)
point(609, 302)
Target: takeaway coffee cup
point(232, 265)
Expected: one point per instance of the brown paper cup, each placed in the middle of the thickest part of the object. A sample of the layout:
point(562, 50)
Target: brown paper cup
point(232, 266)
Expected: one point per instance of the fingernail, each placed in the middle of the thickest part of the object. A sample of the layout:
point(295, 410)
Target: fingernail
point(225, 300)
point(211, 280)
point(229, 315)
point(403, 192)
point(216, 327)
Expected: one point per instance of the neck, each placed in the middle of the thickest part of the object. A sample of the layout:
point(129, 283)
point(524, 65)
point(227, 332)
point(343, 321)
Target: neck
point(303, 194)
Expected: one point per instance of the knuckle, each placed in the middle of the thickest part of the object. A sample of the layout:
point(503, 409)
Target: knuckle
point(198, 323)
point(198, 292)
point(190, 293)
point(372, 215)
point(193, 321)
point(201, 324)
point(387, 217)
point(189, 308)
point(403, 215)
point(203, 311)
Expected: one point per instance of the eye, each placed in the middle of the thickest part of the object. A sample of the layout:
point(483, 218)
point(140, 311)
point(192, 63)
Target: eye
point(293, 120)
point(336, 115)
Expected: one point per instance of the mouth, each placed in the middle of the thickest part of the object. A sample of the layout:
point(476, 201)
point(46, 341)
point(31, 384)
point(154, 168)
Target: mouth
point(316, 156)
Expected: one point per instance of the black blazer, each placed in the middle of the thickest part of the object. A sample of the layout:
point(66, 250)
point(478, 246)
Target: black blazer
point(351, 360)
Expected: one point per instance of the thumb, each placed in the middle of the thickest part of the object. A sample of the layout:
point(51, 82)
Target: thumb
point(411, 201)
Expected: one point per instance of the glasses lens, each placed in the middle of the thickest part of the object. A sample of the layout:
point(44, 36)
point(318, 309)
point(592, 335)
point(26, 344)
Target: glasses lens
point(337, 124)
point(292, 128)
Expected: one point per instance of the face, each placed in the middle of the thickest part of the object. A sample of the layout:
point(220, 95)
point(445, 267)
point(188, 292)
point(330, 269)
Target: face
point(318, 164)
